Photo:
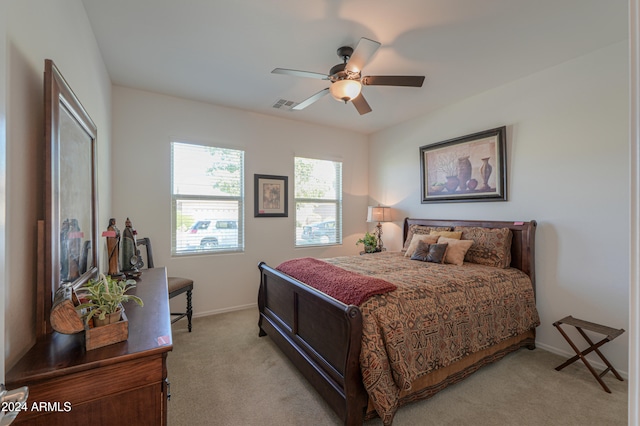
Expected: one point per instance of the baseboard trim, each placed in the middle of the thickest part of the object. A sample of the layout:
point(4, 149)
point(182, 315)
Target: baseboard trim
point(225, 310)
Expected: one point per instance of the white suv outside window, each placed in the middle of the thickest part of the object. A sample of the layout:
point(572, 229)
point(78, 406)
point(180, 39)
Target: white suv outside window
point(209, 234)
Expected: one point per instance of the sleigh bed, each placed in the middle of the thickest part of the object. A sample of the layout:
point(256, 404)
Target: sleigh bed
point(429, 325)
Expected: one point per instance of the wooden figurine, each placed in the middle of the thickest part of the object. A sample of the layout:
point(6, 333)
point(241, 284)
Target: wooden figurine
point(113, 248)
point(129, 251)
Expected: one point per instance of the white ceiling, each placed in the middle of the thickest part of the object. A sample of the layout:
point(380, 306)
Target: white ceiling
point(222, 51)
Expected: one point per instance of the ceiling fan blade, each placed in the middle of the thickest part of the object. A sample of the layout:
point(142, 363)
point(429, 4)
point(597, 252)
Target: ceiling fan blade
point(361, 104)
point(310, 100)
point(362, 54)
point(393, 80)
point(296, 73)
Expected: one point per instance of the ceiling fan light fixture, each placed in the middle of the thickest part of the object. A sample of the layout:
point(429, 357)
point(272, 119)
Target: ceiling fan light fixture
point(345, 90)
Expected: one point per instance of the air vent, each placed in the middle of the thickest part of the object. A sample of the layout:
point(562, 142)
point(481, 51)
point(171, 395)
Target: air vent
point(284, 104)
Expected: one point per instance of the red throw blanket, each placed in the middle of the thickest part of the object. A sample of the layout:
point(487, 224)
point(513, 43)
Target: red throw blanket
point(348, 287)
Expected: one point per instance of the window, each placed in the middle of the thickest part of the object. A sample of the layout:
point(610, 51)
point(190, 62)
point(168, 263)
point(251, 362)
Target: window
point(318, 199)
point(207, 198)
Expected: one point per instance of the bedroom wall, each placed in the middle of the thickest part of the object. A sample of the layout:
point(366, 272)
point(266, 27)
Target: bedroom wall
point(144, 124)
point(568, 169)
point(37, 30)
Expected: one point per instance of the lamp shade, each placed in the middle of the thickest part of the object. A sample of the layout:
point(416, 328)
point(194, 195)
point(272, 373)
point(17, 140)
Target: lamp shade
point(379, 214)
point(345, 90)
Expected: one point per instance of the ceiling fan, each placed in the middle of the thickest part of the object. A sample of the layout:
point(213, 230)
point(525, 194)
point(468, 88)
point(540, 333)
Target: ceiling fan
point(346, 78)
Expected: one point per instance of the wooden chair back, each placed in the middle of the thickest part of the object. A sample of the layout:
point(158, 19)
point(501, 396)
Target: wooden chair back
point(146, 254)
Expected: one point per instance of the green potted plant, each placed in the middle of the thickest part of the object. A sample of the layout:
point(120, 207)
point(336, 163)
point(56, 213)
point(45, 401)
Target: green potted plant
point(103, 298)
point(370, 243)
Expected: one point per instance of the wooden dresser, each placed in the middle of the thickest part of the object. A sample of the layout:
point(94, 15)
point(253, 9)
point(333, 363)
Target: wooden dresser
point(123, 383)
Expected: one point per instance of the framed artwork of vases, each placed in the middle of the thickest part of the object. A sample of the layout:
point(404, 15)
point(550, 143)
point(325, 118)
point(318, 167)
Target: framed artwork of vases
point(467, 168)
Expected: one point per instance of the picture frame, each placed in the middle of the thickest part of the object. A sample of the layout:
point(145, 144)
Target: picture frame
point(465, 169)
point(271, 198)
point(68, 240)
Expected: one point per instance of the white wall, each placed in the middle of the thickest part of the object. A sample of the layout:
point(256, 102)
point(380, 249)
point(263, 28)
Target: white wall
point(37, 30)
point(567, 157)
point(143, 127)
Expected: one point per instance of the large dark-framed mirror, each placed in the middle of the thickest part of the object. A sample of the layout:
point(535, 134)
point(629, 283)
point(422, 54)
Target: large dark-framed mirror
point(70, 240)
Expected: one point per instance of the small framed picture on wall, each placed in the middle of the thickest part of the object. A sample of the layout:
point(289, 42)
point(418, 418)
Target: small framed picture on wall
point(271, 196)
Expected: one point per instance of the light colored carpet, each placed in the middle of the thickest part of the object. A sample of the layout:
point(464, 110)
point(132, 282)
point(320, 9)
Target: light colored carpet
point(224, 374)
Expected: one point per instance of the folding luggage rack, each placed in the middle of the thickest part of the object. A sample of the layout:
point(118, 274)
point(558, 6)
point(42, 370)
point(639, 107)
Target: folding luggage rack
point(581, 325)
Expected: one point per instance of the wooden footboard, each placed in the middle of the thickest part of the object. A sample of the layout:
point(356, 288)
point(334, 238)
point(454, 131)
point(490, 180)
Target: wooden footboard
point(320, 335)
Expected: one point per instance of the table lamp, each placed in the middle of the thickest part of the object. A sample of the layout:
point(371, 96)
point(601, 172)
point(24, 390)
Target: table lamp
point(379, 214)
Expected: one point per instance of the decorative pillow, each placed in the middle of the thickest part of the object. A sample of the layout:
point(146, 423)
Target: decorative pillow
point(456, 250)
point(437, 252)
point(492, 246)
point(429, 239)
point(421, 252)
point(421, 229)
point(430, 252)
point(448, 234)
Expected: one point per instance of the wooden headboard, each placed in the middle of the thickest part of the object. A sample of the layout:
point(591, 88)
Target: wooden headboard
point(522, 245)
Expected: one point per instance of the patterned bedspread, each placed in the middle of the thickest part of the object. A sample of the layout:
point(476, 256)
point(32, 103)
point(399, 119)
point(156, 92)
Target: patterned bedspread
point(436, 316)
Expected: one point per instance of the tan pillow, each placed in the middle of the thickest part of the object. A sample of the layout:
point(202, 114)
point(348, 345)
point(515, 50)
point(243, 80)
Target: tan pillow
point(429, 239)
point(447, 234)
point(421, 229)
point(456, 250)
